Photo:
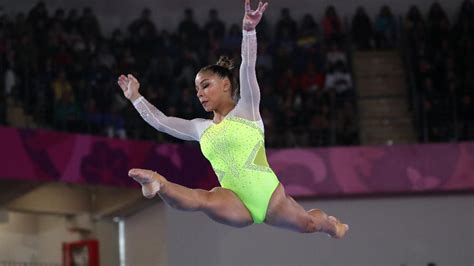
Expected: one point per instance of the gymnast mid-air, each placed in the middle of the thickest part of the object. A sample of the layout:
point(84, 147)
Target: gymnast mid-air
point(233, 142)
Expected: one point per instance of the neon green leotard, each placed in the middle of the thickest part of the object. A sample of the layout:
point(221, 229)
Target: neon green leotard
point(235, 146)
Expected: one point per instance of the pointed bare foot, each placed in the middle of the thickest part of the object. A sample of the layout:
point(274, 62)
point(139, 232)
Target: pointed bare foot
point(151, 181)
point(338, 229)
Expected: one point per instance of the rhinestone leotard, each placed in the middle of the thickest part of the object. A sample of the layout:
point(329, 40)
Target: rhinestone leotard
point(235, 147)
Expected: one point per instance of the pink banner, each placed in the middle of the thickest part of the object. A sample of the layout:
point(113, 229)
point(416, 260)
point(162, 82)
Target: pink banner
point(51, 156)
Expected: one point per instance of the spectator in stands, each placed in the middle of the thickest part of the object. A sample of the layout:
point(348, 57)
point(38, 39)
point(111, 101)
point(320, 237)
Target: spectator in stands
point(105, 57)
point(286, 25)
point(26, 55)
point(427, 101)
point(466, 117)
point(346, 128)
point(127, 59)
point(38, 15)
point(89, 25)
point(58, 17)
point(435, 110)
point(335, 56)
point(26, 66)
point(38, 19)
point(61, 86)
point(98, 122)
point(415, 28)
point(9, 81)
point(465, 21)
point(72, 21)
point(270, 100)
point(311, 80)
point(189, 31)
point(57, 36)
point(317, 106)
point(92, 116)
point(440, 58)
point(214, 26)
point(143, 39)
point(264, 58)
point(339, 84)
point(414, 20)
point(215, 30)
point(308, 32)
point(362, 32)
point(3, 109)
point(288, 81)
point(187, 66)
point(424, 68)
point(332, 25)
point(385, 29)
point(284, 47)
point(466, 106)
point(68, 115)
point(233, 39)
point(463, 33)
point(270, 127)
point(117, 43)
point(115, 126)
point(143, 23)
point(21, 26)
point(77, 45)
point(438, 25)
point(266, 30)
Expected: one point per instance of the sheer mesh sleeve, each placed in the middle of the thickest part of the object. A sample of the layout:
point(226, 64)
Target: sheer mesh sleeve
point(248, 106)
point(176, 127)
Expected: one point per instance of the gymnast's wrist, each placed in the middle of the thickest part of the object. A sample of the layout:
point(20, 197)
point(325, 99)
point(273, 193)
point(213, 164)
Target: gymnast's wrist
point(136, 98)
point(247, 32)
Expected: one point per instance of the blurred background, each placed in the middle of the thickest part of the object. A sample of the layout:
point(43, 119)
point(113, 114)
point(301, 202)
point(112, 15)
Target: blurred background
point(368, 109)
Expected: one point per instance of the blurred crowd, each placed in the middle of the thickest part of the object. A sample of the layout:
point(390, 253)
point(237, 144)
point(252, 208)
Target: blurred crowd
point(441, 55)
point(439, 59)
point(62, 69)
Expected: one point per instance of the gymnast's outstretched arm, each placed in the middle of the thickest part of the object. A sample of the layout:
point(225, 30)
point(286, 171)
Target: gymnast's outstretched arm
point(176, 127)
point(248, 106)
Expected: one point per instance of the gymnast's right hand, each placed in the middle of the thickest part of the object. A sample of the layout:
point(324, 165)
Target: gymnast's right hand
point(129, 85)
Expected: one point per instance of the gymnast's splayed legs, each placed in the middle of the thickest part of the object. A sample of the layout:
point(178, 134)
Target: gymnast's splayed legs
point(225, 207)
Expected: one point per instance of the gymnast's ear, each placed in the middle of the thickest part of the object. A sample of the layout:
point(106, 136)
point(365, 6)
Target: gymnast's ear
point(227, 85)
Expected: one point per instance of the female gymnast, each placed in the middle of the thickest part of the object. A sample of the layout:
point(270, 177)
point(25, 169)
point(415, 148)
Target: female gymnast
point(233, 142)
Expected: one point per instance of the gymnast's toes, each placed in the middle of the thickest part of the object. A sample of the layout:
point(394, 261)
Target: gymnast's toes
point(340, 229)
point(149, 181)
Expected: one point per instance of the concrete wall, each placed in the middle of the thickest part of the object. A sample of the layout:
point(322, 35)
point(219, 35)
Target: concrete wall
point(17, 238)
point(146, 236)
point(38, 239)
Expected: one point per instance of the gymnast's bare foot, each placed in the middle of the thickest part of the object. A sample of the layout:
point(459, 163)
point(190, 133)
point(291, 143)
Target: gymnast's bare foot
point(336, 229)
point(329, 224)
point(151, 181)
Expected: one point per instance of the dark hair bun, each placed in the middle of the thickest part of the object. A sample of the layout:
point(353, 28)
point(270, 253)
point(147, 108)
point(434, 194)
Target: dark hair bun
point(226, 62)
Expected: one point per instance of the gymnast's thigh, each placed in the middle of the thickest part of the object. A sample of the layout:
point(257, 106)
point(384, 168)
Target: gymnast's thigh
point(224, 206)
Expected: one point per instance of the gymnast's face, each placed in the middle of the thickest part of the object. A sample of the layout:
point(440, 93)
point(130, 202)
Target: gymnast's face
point(212, 90)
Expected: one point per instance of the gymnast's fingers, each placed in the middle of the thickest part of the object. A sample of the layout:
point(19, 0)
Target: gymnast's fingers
point(247, 6)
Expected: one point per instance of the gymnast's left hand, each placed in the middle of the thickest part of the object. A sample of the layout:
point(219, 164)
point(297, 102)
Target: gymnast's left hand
point(253, 17)
point(130, 86)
